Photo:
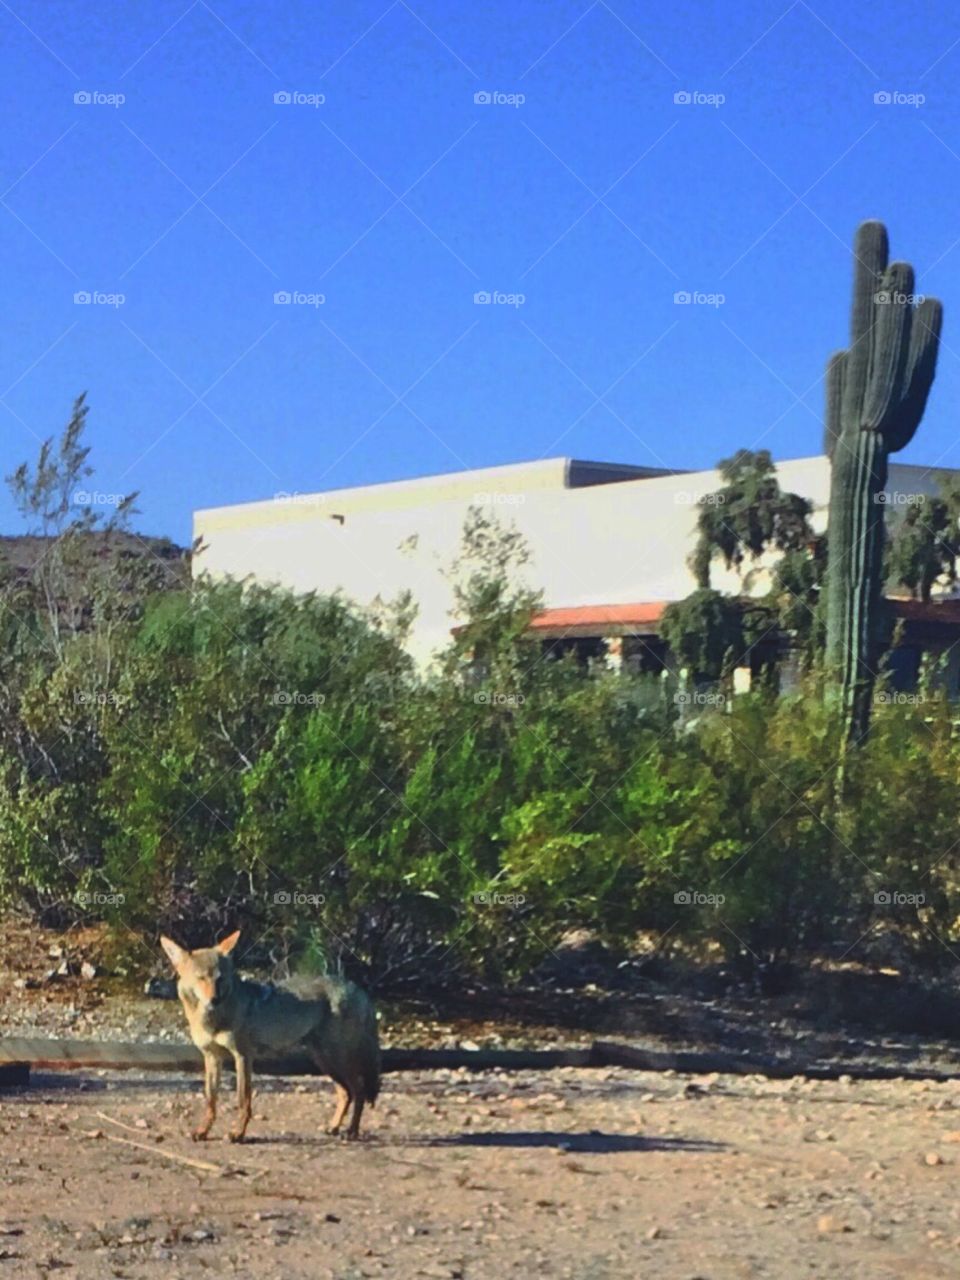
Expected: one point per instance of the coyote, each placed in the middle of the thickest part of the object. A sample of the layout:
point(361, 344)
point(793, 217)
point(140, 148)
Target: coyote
point(329, 1018)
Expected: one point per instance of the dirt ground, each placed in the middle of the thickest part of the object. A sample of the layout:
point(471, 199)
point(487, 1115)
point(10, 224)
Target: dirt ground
point(585, 1174)
point(573, 1173)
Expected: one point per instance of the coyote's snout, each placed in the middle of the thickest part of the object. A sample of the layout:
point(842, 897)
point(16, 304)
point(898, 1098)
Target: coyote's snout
point(330, 1019)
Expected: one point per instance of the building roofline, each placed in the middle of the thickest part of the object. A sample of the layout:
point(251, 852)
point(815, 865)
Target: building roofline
point(556, 473)
point(537, 475)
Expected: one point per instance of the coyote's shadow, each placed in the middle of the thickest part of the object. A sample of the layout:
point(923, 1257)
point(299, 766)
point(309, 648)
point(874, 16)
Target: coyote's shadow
point(590, 1143)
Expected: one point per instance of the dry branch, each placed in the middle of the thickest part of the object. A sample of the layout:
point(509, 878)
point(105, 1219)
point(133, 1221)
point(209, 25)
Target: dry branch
point(192, 1161)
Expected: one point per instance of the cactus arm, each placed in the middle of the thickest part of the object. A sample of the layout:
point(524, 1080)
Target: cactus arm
point(921, 366)
point(871, 251)
point(891, 348)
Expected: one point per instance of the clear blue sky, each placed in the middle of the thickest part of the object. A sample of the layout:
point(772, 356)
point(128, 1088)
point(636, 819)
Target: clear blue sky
point(400, 197)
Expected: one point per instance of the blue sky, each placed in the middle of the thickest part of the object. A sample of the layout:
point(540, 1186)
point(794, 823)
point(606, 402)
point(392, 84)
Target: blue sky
point(582, 186)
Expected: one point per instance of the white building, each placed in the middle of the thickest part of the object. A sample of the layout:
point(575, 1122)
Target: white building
point(608, 543)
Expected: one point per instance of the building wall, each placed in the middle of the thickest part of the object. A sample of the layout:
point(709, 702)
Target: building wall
point(610, 543)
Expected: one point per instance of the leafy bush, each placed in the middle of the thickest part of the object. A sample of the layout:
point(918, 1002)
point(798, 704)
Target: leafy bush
point(196, 759)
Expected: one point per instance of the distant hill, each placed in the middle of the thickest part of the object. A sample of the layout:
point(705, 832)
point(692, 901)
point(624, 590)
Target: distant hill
point(19, 553)
point(139, 565)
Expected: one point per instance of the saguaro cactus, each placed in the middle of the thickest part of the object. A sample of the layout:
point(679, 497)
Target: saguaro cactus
point(876, 393)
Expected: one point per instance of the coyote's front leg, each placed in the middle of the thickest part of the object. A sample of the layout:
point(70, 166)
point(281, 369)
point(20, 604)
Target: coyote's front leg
point(243, 1064)
point(211, 1087)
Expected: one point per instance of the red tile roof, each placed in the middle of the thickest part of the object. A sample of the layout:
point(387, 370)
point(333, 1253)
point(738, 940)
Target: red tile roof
point(600, 615)
point(613, 619)
point(647, 613)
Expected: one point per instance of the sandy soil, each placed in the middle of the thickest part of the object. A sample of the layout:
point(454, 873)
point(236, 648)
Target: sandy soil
point(584, 1174)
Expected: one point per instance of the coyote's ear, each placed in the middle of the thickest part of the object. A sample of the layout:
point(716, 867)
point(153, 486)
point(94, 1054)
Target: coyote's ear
point(227, 945)
point(177, 955)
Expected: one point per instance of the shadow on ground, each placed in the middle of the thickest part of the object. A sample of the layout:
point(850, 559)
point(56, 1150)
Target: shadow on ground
point(592, 1143)
point(526, 1140)
point(877, 1019)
